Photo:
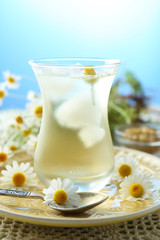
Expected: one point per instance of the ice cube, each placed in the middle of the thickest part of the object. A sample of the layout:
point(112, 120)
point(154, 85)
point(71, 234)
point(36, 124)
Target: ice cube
point(57, 88)
point(78, 112)
point(90, 135)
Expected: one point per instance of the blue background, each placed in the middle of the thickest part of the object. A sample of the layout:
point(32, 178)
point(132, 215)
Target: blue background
point(125, 29)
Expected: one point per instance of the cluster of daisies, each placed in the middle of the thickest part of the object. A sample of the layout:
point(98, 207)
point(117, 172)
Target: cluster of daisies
point(20, 130)
point(22, 177)
point(11, 81)
point(133, 183)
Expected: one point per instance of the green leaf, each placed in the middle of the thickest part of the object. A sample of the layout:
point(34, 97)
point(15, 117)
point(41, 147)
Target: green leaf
point(134, 83)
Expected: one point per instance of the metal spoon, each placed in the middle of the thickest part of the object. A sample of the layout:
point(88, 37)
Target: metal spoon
point(87, 201)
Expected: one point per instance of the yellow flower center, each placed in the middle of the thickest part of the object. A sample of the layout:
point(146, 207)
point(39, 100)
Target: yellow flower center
point(124, 170)
point(26, 132)
point(19, 120)
point(136, 190)
point(1, 94)
point(13, 148)
point(60, 196)
point(18, 179)
point(38, 111)
point(11, 80)
point(3, 157)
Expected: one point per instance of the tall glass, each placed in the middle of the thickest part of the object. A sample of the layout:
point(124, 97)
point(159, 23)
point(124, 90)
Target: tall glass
point(74, 140)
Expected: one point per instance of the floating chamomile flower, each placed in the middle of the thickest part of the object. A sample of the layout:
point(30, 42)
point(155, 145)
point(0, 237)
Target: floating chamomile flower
point(135, 188)
point(90, 72)
point(61, 192)
point(5, 154)
point(125, 166)
point(18, 176)
point(11, 79)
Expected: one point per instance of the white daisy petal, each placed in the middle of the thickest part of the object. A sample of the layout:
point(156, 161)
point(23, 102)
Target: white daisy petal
point(67, 184)
point(4, 173)
point(9, 168)
point(25, 166)
point(59, 183)
point(73, 190)
point(15, 165)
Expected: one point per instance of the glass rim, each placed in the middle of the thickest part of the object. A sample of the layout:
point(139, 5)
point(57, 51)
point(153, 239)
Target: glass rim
point(42, 62)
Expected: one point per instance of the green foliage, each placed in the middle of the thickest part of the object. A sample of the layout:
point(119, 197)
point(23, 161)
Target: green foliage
point(125, 109)
point(134, 83)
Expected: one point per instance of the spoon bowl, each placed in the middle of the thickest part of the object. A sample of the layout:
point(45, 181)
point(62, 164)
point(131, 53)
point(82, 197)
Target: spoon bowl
point(87, 200)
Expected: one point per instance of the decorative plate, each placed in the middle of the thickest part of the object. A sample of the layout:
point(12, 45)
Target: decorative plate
point(111, 211)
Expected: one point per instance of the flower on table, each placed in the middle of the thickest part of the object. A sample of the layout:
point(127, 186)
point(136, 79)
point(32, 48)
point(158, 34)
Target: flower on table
point(19, 120)
point(12, 80)
point(135, 188)
point(3, 93)
point(61, 192)
point(13, 146)
point(23, 126)
point(26, 132)
point(18, 176)
point(125, 166)
point(5, 154)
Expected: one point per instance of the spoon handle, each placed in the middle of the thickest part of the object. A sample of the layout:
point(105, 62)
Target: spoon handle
point(16, 193)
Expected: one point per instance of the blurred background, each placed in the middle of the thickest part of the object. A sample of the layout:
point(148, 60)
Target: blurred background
point(123, 29)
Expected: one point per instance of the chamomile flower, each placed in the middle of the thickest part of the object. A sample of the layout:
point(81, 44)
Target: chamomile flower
point(12, 80)
point(3, 93)
point(19, 120)
point(26, 132)
point(135, 188)
point(61, 192)
point(5, 154)
point(35, 107)
point(24, 129)
point(22, 126)
point(31, 95)
point(31, 144)
point(125, 166)
point(13, 146)
point(18, 176)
